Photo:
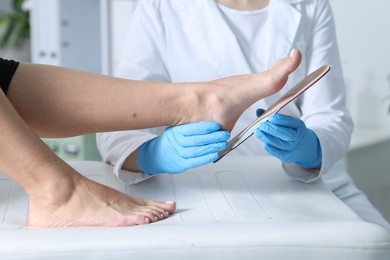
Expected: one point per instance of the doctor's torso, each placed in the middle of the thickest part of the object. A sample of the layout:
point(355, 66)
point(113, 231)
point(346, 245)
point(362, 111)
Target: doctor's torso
point(184, 41)
point(220, 42)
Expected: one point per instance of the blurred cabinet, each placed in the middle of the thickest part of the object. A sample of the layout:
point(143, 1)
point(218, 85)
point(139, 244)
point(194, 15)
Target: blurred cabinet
point(86, 35)
point(66, 33)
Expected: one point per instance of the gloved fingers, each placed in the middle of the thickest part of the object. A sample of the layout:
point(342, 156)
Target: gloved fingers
point(198, 151)
point(284, 133)
point(283, 155)
point(198, 128)
point(182, 164)
point(286, 121)
point(259, 112)
point(202, 139)
point(274, 141)
point(202, 160)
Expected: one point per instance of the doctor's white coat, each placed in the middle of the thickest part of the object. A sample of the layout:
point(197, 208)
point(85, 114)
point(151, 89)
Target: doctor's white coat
point(184, 41)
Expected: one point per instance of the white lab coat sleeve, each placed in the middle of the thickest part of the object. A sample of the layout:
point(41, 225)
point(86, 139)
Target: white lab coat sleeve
point(141, 60)
point(323, 107)
point(115, 147)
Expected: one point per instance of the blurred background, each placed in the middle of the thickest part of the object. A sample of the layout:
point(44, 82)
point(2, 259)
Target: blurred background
point(88, 35)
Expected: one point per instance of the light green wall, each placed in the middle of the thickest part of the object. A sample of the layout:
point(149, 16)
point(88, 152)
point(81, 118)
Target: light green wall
point(75, 148)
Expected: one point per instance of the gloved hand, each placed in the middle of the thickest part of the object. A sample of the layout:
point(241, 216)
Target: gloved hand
point(288, 139)
point(182, 147)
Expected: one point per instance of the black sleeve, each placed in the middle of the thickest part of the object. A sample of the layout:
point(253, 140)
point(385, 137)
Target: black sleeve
point(7, 71)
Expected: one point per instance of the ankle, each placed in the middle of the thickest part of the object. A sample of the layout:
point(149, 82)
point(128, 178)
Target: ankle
point(192, 104)
point(55, 185)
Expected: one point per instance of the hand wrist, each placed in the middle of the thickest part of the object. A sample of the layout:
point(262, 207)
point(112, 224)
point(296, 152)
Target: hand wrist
point(316, 159)
point(144, 157)
point(131, 164)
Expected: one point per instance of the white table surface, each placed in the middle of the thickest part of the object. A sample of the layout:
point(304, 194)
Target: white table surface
point(239, 208)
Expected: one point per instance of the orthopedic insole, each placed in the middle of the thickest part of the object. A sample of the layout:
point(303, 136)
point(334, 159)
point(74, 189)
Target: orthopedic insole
point(290, 95)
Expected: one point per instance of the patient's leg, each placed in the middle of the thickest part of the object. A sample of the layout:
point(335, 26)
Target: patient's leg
point(60, 102)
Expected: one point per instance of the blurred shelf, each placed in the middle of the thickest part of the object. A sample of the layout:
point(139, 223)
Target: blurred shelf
point(81, 147)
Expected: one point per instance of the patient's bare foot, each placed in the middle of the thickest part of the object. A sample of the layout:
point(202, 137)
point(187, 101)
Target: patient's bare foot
point(228, 98)
point(78, 201)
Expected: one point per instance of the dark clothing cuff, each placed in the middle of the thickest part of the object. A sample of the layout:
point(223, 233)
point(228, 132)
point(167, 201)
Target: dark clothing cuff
point(7, 71)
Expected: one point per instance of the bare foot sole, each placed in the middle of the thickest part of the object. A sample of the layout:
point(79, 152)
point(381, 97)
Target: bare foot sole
point(228, 98)
point(93, 204)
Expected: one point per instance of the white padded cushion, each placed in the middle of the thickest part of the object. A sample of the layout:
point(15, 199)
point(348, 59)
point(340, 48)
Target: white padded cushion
point(239, 208)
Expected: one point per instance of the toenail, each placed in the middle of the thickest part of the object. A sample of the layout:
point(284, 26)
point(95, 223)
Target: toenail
point(292, 53)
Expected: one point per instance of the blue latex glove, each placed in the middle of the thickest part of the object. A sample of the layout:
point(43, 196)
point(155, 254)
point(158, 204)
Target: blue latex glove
point(288, 139)
point(182, 147)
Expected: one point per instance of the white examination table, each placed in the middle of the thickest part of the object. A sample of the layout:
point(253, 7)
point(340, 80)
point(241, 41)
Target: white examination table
point(239, 208)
